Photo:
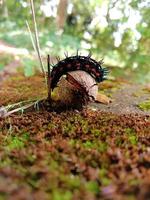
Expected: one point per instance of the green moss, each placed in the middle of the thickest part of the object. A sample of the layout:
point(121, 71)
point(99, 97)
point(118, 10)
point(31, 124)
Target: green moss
point(100, 146)
point(68, 128)
point(119, 141)
point(105, 181)
point(71, 182)
point(144, 105)
point(93, 187)
point(3, 196)
point(61, 195)
point(134, 182)
point(95, 132)
point(102, 172)
point(16, 142)
point(103, 176)
point(88, 144)
point(129, 131)
point(132, 137)
point(5, 161)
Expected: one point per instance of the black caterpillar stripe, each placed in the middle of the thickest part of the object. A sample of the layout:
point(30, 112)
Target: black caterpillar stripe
point(74, 63)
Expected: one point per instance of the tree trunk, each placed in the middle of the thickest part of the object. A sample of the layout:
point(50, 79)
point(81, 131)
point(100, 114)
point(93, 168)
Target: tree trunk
point(61, 14)
point(3, 5)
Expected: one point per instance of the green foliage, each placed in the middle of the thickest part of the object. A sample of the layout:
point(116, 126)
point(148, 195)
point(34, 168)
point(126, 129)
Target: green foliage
point(5, 60)
point(29, 67)
point(92, 18)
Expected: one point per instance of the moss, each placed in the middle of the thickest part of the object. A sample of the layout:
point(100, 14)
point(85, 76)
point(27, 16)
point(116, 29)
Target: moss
point(144, 105)
point(134, 182)
point(71, 182)
point(131, 136)
point(61, 195)
point(103, 177)
point(95, 132)
point(93, 187)
point(88, 142)
point(3, 196)
point(133, 139)
point(16, 142)
point(119, 141)
point(105, 181)
point(21, 88)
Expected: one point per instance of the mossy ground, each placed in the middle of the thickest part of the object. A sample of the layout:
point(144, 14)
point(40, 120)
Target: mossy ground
point(145, 105)
point(72, 155)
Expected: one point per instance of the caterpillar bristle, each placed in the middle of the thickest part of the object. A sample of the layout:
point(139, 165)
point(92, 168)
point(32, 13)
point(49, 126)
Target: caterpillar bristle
point(51, 63)
point(66, 54)
point(104, 78)
point(106, 70)
point(77, 54)
point(89, 55)
point(101, 61)
point(58, 59)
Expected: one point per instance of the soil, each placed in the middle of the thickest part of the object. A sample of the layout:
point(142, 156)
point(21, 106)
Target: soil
point(125, 100)
point(95, 153)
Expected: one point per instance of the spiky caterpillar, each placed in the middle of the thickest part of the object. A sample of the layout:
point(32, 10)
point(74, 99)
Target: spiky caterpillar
point(77, 62)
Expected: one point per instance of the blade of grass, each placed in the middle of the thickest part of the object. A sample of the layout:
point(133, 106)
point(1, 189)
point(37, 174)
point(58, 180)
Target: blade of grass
point(31, 36)
point(37, 39)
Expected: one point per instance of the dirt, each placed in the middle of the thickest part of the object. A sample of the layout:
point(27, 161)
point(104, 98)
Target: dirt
point(125, 100)
point(73, 155)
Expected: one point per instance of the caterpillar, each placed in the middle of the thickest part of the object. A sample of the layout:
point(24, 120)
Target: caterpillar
point(73, 63)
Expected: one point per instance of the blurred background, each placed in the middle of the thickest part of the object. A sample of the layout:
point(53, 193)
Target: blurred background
point(117, 31)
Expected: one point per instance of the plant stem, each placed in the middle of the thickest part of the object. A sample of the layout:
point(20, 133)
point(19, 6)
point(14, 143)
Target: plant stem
point(49, 79)
point(37, 38)
point(31, 36)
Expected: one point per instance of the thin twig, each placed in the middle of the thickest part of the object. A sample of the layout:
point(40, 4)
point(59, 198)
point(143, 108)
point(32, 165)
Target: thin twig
point(37, 38)
point(31, 36)
point(6, 114)
point(49, 78)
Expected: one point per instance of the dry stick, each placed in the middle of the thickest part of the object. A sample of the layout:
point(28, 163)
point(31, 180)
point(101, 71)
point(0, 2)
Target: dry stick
point(36, 38)
point(17, 109)
point(49, 78)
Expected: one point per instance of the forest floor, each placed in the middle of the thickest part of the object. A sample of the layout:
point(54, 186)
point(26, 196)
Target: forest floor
point(101, 152)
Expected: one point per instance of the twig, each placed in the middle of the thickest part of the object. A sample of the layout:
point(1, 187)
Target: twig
point(31, 36)
point(49, 79)
point(37, 38)
point(6, 114)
